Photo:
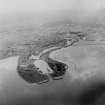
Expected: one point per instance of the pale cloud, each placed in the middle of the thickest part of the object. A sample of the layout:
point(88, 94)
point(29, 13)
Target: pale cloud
point(34, 5)
point(50, 5)
point(91, 5)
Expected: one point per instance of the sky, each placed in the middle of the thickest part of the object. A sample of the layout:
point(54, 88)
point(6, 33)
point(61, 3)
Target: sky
point(13, 6)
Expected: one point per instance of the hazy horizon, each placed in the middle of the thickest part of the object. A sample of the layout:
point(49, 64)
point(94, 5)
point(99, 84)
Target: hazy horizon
point(75, 7)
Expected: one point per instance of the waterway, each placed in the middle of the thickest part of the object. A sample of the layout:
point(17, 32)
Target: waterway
point(15, 91)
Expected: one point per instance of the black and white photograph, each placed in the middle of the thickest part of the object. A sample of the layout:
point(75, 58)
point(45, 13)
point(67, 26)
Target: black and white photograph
point(52, 52)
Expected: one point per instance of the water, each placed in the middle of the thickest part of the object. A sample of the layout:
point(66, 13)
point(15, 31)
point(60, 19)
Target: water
point(15, 91)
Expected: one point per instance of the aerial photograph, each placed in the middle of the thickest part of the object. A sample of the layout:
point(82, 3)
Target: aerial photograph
point(52, 52)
